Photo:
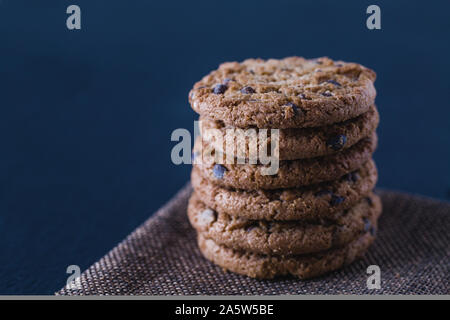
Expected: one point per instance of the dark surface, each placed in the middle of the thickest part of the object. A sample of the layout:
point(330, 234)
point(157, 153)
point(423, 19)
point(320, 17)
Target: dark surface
point(86, 116)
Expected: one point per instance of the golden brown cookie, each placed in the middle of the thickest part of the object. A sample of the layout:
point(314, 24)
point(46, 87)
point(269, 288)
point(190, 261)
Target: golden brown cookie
point(288, 93)
point(302, 143)
point(284, 237)
point(291, 173)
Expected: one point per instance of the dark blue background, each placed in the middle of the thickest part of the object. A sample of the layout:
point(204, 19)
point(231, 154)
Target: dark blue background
point(86, 116)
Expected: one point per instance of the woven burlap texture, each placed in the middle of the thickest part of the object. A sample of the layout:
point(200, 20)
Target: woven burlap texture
point(161, 258)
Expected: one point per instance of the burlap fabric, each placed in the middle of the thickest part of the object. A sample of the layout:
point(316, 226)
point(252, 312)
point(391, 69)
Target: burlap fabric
point(161, 258)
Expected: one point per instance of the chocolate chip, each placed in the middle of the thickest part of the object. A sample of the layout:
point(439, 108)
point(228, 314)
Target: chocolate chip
point(220, 89)
point(322, 193)
point(336, 200)
point(351, 176)
point(373, 231)
point(367, 224)
point(337, 142)
point(247, 90)
point(294, 107)
point(369, 201)
point(327, 94)
point(334, 82)
point(219, 171)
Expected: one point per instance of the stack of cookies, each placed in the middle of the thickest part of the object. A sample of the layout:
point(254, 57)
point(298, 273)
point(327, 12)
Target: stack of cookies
point(317, 212)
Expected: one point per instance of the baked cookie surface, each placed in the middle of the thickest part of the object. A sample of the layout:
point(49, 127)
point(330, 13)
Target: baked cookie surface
point(323, 200)
point(288, 93)
point(285, 237)
point(301, 143)
point(269, 266)
point(291, 173)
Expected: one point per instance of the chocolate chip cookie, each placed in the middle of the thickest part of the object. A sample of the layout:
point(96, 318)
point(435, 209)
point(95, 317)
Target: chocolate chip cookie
point(301, 143)
point(306, 207)
point(288, 93)
point(322, 200)
point(291, 173)
point(285, 237)
point(269, 266)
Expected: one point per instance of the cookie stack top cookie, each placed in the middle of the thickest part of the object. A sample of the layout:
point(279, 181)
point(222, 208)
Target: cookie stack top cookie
point(288, 93)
